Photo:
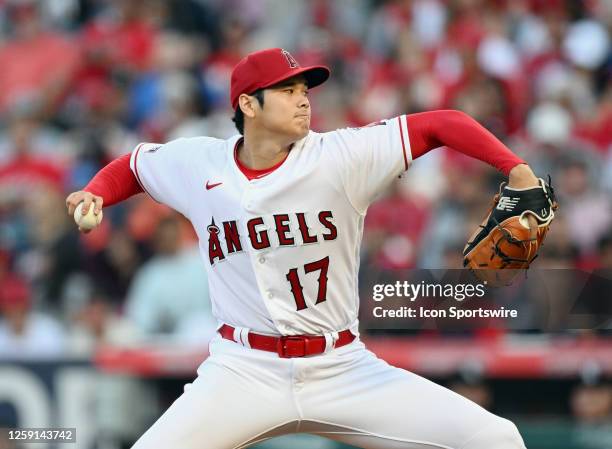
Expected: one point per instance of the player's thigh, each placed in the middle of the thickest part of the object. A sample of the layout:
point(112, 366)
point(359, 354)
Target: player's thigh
point(222, 408)
point(384, 405)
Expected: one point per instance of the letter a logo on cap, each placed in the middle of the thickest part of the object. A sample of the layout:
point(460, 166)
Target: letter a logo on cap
point(290, 59)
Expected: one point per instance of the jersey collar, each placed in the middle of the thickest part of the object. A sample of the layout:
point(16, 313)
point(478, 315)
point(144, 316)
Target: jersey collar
point(252, 173)
point(269, 172)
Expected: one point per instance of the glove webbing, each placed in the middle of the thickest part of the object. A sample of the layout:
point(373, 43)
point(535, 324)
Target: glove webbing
point(513, 240)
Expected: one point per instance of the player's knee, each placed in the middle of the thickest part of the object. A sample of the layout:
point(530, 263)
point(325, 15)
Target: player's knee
point(500, 434)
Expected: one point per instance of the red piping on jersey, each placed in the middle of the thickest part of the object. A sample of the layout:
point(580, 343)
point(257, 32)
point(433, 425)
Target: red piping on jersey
point(136, 171)
point(252, 173)
point(136, 165)
point(399, 123)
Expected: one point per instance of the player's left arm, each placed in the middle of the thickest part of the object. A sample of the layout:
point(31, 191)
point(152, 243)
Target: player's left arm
point(460, 132)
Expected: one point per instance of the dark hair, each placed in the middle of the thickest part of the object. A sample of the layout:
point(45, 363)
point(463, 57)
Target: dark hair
point(239, 116)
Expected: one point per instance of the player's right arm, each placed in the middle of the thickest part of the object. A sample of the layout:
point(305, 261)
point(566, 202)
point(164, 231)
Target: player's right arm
point(169, 173)
point(112, 184)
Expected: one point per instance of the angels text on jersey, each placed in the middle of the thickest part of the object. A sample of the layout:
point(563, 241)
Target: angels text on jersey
point(228, 237)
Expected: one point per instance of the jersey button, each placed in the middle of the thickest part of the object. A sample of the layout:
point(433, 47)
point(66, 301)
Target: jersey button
point(262, 260)
point(270, 295)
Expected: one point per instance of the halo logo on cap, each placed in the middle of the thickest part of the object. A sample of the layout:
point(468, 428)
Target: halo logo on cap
point(290, 59)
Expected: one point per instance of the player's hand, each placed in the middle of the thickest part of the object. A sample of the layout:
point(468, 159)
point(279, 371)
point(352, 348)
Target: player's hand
point(522, 177)
point(88, 199)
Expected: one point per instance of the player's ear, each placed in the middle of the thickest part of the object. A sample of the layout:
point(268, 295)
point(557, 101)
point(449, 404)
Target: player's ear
point(246, 103)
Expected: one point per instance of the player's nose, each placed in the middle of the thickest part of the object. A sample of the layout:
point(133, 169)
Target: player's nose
point(303, 102)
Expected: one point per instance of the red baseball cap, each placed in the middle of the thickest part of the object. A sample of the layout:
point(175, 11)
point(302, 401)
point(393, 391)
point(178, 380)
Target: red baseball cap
point(265, 68)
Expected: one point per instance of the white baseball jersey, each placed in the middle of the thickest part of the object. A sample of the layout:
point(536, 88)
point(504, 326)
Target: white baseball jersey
point(282, 251)
point(282, 254)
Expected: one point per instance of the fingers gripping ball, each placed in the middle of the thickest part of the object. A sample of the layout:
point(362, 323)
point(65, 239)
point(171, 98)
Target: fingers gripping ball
point(89, 220)
point(508, 239)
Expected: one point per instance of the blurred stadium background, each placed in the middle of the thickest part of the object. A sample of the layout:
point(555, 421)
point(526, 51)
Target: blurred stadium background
point(101, 331)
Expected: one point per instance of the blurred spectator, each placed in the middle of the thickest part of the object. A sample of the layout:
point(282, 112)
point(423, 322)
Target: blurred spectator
point(39, 63)
point(167, 102)
point(591, 404)
point(171, 287)
point(56, 251)
point(192, 18)
point(24, 333)
point(30, 159)
point(559, 251)
point(456, 215)
point(96, 323)
point(113, 266)
point(217, 67)
point(119, 40)
point(549, 123)
point(30, 138)
point(394, 227)
point(587, 211)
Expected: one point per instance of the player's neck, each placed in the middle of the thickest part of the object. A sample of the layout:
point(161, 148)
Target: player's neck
point(259, 153)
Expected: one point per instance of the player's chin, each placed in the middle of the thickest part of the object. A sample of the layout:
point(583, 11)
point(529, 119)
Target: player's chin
point(296, 130)
point(302, 127)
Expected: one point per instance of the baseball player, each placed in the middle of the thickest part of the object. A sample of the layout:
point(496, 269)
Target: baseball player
point(279, 210)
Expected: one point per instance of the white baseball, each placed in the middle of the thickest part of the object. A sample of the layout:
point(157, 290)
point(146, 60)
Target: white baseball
point(89, 220)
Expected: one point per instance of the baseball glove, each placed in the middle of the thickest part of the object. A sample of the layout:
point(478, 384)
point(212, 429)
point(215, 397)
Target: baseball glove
point(513, 230)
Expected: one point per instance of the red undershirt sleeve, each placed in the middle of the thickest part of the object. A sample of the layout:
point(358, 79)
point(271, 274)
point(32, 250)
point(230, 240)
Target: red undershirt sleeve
point(115, 182)
point(459, 131)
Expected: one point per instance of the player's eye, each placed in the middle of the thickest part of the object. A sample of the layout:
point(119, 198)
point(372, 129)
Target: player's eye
point(289, 90)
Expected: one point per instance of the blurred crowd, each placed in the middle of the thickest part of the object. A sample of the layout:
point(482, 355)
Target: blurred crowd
point(83, 81)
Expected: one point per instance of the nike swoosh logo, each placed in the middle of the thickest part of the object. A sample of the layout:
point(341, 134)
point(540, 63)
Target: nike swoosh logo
point(212, 186)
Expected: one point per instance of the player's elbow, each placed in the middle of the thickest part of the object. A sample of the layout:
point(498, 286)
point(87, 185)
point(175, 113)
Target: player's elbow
point(451, 121)
point(454, 116)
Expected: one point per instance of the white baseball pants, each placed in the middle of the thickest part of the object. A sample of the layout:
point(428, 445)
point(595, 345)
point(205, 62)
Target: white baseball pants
point(243, 396)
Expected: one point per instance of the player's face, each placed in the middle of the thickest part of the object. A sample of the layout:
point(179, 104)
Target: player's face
point(286, 109)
